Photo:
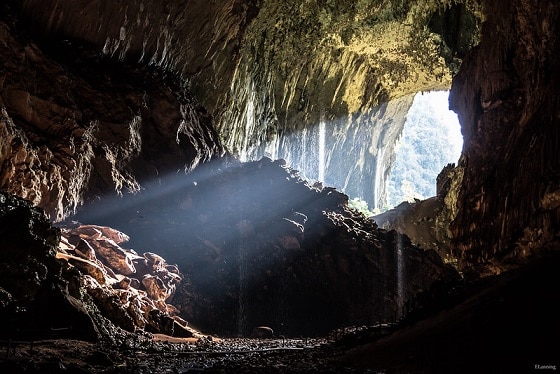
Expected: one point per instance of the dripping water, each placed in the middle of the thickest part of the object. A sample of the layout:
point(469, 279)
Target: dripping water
point(242, 264)
point(400, 276)
point(378, 173)
point(322, 151)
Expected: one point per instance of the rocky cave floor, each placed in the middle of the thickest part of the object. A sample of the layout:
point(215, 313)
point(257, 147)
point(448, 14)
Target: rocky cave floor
point(227, 355)
point(502, 323)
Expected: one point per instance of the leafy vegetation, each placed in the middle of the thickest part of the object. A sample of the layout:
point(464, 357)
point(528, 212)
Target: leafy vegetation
point(361, 206)
point(430, 140)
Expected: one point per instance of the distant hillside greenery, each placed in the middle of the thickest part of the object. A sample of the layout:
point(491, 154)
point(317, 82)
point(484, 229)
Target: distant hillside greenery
point(430, 140)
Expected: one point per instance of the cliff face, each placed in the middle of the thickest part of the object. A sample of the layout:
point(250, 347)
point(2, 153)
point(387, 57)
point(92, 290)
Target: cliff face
point(339, 75)
point(506, 95)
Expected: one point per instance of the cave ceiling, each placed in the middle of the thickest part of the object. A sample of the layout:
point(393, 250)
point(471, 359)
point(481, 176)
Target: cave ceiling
point(271, 73)
point(253, 73)
point(303, 60)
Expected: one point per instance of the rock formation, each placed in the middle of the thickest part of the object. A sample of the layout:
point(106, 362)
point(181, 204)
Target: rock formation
point(79, 282)
point(502, 198)
point(131, 116)
point(272, 73)
point(75, 125)
point(261, 246)
point(37, 296)
point(131, 290)
point(427, 222)
point(507, 101)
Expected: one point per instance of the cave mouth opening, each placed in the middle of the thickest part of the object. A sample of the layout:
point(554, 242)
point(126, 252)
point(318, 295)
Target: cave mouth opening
point(430, 140)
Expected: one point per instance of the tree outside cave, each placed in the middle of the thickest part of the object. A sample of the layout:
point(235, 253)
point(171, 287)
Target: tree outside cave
point(431, 139)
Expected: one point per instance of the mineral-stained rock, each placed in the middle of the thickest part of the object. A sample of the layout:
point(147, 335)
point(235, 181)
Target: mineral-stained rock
point(115, 256)
point(98, 232)
point(155, 287)
point(506, 96)
point(84, 249)
point(93, 268)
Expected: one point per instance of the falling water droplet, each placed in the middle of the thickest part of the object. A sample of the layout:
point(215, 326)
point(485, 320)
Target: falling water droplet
point(322, 151)
point(378, 173)
point(400, 275)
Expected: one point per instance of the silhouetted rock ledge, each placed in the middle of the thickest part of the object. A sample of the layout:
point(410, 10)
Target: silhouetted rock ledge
point(262, 246)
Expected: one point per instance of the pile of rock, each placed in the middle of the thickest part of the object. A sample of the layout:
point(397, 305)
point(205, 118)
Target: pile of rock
point(130, 289)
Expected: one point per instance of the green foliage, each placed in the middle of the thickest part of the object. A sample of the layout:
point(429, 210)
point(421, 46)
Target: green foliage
point(430, 140)
point(361, 206)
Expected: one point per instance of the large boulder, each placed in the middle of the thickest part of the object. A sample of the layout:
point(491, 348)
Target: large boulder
point(38, 297)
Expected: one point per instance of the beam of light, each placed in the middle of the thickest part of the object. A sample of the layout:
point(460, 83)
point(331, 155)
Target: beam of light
point(322, 151)
point(400, 276)
point(377, 180)
point(184, 216)
point(217, 211)
point(168, 184)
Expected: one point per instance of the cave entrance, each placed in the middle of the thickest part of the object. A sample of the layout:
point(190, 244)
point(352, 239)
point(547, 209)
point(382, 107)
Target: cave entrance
point(430, 140)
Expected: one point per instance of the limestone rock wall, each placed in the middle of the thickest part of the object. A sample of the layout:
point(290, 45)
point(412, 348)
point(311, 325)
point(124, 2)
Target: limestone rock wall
point(506, 95)
point(75, 125)
point(427, 222)
point(343, 71)
point(271, 72)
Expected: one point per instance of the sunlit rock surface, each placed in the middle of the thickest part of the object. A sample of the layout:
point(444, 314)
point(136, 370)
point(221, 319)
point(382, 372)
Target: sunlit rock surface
point(263, 247)
point(75, 125)
point(313, 82)
point(273, 73)
point(61, 282)
point(506, 95)
point(130, 289)
point(426, 222)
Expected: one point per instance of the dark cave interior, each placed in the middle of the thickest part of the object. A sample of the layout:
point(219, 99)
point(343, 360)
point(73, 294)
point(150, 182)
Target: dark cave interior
point(153, 217)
